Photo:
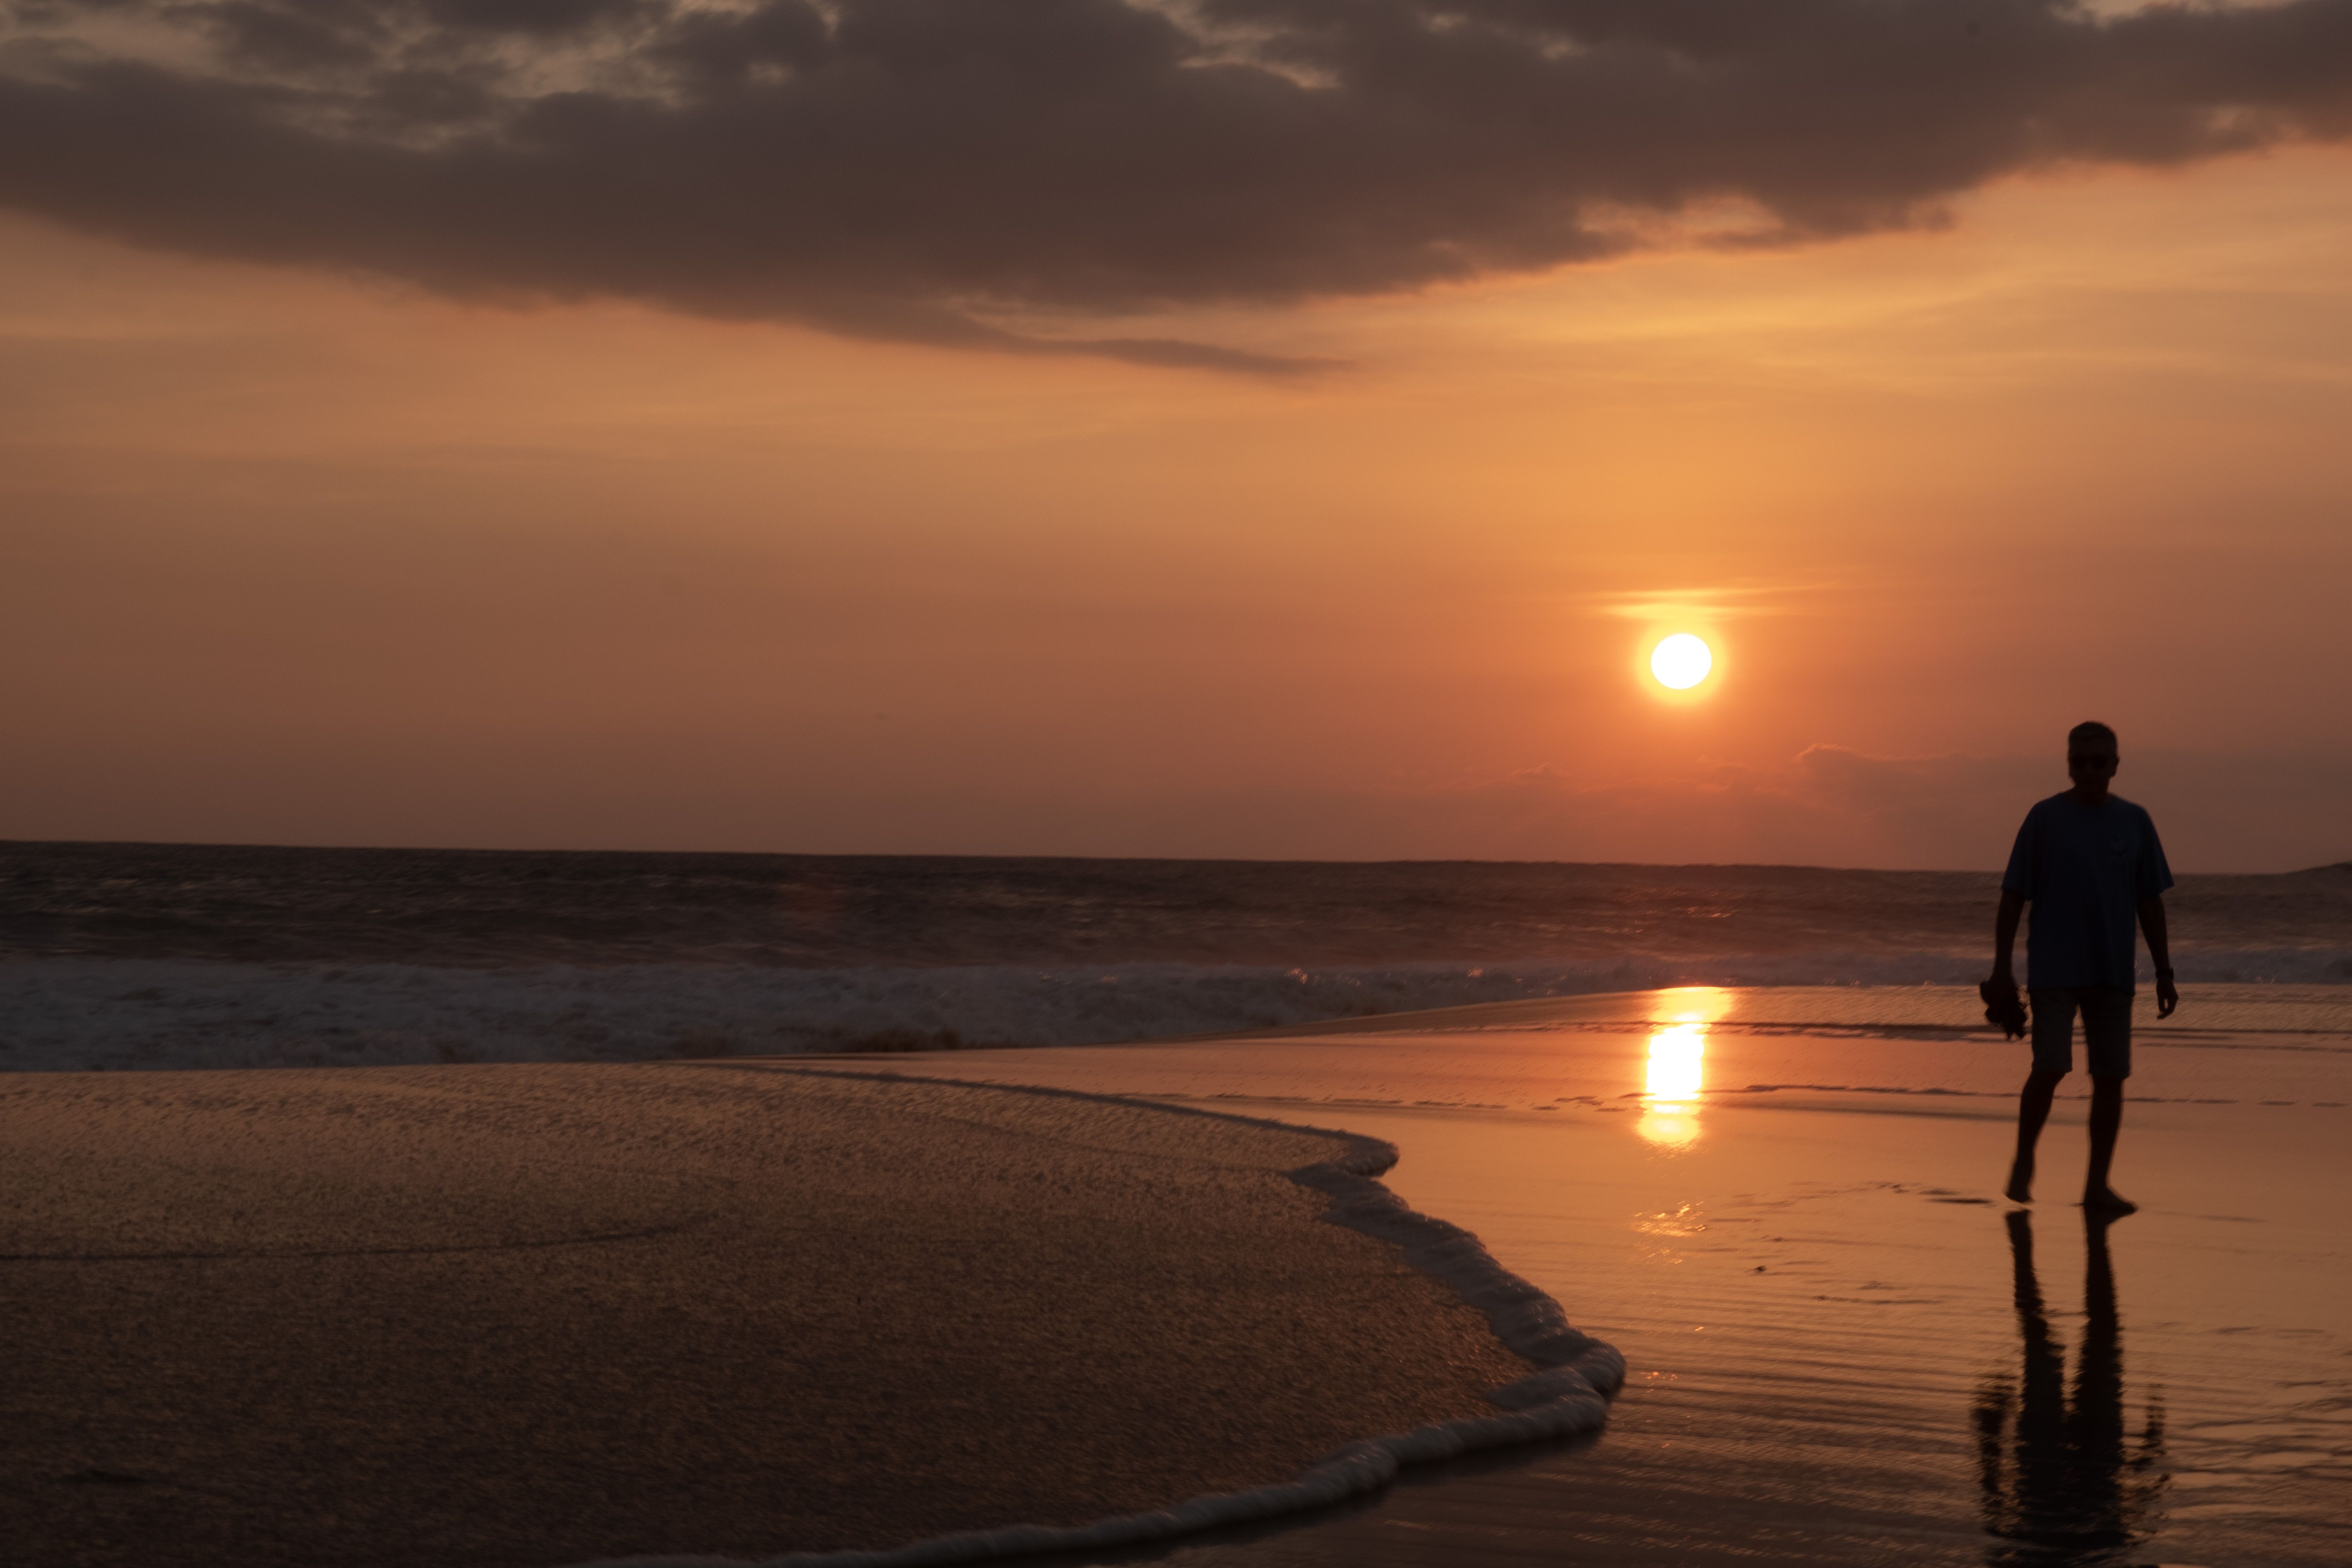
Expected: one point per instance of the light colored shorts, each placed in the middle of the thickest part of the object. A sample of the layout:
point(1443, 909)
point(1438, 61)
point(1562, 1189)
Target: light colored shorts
point(2107, 1028)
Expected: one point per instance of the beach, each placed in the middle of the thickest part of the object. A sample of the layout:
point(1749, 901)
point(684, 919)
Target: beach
point(876, 783)
point(1841, 1348)
point(565, 1313)
point(538, 1315)
point(554, 1209)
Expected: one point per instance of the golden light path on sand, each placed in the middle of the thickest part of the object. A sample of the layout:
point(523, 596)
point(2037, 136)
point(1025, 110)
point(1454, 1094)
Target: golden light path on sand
point(1676, 1073)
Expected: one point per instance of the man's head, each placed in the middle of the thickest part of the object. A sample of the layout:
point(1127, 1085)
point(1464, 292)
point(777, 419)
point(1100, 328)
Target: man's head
point(2091, 758)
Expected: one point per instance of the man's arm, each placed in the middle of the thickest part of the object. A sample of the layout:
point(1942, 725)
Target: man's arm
point(2004, 937)
point(2151, 924)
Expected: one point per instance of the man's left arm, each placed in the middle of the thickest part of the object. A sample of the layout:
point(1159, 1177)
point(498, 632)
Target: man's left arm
point(2159, 948)
point(2154, 878)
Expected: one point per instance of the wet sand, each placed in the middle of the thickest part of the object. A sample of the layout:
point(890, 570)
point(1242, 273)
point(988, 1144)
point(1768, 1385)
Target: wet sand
point(540, 1314)
point(1783, 1206)
point(1842, 1348)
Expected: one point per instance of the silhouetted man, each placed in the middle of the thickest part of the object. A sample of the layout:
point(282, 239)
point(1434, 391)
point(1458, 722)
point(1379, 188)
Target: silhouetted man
point(2089, 863)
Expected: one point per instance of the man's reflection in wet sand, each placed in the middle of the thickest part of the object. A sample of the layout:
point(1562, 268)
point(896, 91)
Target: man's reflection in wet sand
point(2062, 1486)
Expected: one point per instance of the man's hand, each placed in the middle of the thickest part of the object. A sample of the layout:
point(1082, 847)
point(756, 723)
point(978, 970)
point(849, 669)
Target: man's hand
point(2004, 1010)
point(2159, 952)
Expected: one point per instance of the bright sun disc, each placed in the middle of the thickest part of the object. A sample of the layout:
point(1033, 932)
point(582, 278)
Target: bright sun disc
point(1681, 661)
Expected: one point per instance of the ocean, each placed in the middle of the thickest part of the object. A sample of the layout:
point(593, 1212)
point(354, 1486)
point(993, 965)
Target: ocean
point(123, 956)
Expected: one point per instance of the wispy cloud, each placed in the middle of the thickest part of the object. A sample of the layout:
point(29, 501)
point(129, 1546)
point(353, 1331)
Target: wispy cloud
point(1715, 604)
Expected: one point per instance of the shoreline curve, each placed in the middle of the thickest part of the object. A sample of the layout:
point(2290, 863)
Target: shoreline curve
point(1578, 1377)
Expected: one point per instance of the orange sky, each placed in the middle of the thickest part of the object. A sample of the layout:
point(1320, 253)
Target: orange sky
point(294, 556)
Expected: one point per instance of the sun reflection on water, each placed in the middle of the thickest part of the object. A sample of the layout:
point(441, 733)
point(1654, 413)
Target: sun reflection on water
point(1676, 1073)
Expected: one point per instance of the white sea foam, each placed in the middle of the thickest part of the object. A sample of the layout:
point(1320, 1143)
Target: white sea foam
point(1570, 1395)
point(78, 1015)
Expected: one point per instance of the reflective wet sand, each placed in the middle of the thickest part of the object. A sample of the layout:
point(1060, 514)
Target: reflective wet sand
point(1784, 1209)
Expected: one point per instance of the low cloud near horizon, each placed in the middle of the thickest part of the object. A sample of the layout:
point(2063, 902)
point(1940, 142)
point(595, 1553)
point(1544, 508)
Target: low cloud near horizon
point(1832, 805)
point(1015, 174)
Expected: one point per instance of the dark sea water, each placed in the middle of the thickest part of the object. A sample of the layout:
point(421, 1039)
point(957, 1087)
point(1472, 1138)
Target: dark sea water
point(152, 955)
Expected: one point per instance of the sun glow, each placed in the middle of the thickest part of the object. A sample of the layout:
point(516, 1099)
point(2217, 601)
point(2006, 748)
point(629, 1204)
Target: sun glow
point(1681, 661)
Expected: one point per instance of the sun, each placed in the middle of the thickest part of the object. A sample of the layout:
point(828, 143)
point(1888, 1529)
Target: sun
point(1681, 661)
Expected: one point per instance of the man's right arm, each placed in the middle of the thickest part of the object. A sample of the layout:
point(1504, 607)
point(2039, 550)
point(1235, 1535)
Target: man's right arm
point(2004, 938)
point(2015, 883)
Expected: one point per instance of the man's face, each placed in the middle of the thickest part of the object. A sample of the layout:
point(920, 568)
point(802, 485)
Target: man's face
point(2091, 764)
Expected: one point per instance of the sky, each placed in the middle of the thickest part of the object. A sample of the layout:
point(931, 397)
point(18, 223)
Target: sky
point(1266, 428)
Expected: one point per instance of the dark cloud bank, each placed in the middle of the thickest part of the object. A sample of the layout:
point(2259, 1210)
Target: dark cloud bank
point(952, 171)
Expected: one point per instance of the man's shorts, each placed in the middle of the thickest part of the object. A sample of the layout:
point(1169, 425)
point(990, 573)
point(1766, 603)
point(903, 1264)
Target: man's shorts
point(2107, 1028)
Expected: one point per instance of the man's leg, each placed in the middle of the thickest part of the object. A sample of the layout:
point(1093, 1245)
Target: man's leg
point(2107, 1044)
point(2032, 1110)
point(2106, 1120)
point(2054, 1055)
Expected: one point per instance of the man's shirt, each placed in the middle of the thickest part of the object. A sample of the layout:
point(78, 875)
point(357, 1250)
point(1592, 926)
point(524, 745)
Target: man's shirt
point(2084, 869)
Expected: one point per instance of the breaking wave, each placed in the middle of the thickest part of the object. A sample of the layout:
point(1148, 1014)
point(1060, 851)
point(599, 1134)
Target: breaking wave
point(80, 1015)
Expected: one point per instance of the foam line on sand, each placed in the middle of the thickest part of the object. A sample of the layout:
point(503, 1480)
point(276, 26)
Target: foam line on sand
point(1570, 1395)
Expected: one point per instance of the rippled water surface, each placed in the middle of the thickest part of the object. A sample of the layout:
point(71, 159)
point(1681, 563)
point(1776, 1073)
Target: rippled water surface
point(143, 956)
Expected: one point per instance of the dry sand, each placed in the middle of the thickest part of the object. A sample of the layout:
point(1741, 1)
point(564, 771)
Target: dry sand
point(536, 1314)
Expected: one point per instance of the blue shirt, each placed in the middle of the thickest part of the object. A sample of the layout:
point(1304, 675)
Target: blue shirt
point(2084, 869)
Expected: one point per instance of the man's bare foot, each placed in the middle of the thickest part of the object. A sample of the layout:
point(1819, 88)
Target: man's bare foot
point(2020, 1183)
point(2109, 1201)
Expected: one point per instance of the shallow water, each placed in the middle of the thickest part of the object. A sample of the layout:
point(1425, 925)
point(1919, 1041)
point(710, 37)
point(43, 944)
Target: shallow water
point(1784, 1209)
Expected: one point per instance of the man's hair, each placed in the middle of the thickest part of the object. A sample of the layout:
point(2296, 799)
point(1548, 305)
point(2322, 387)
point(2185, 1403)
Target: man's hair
point(2089, 730)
